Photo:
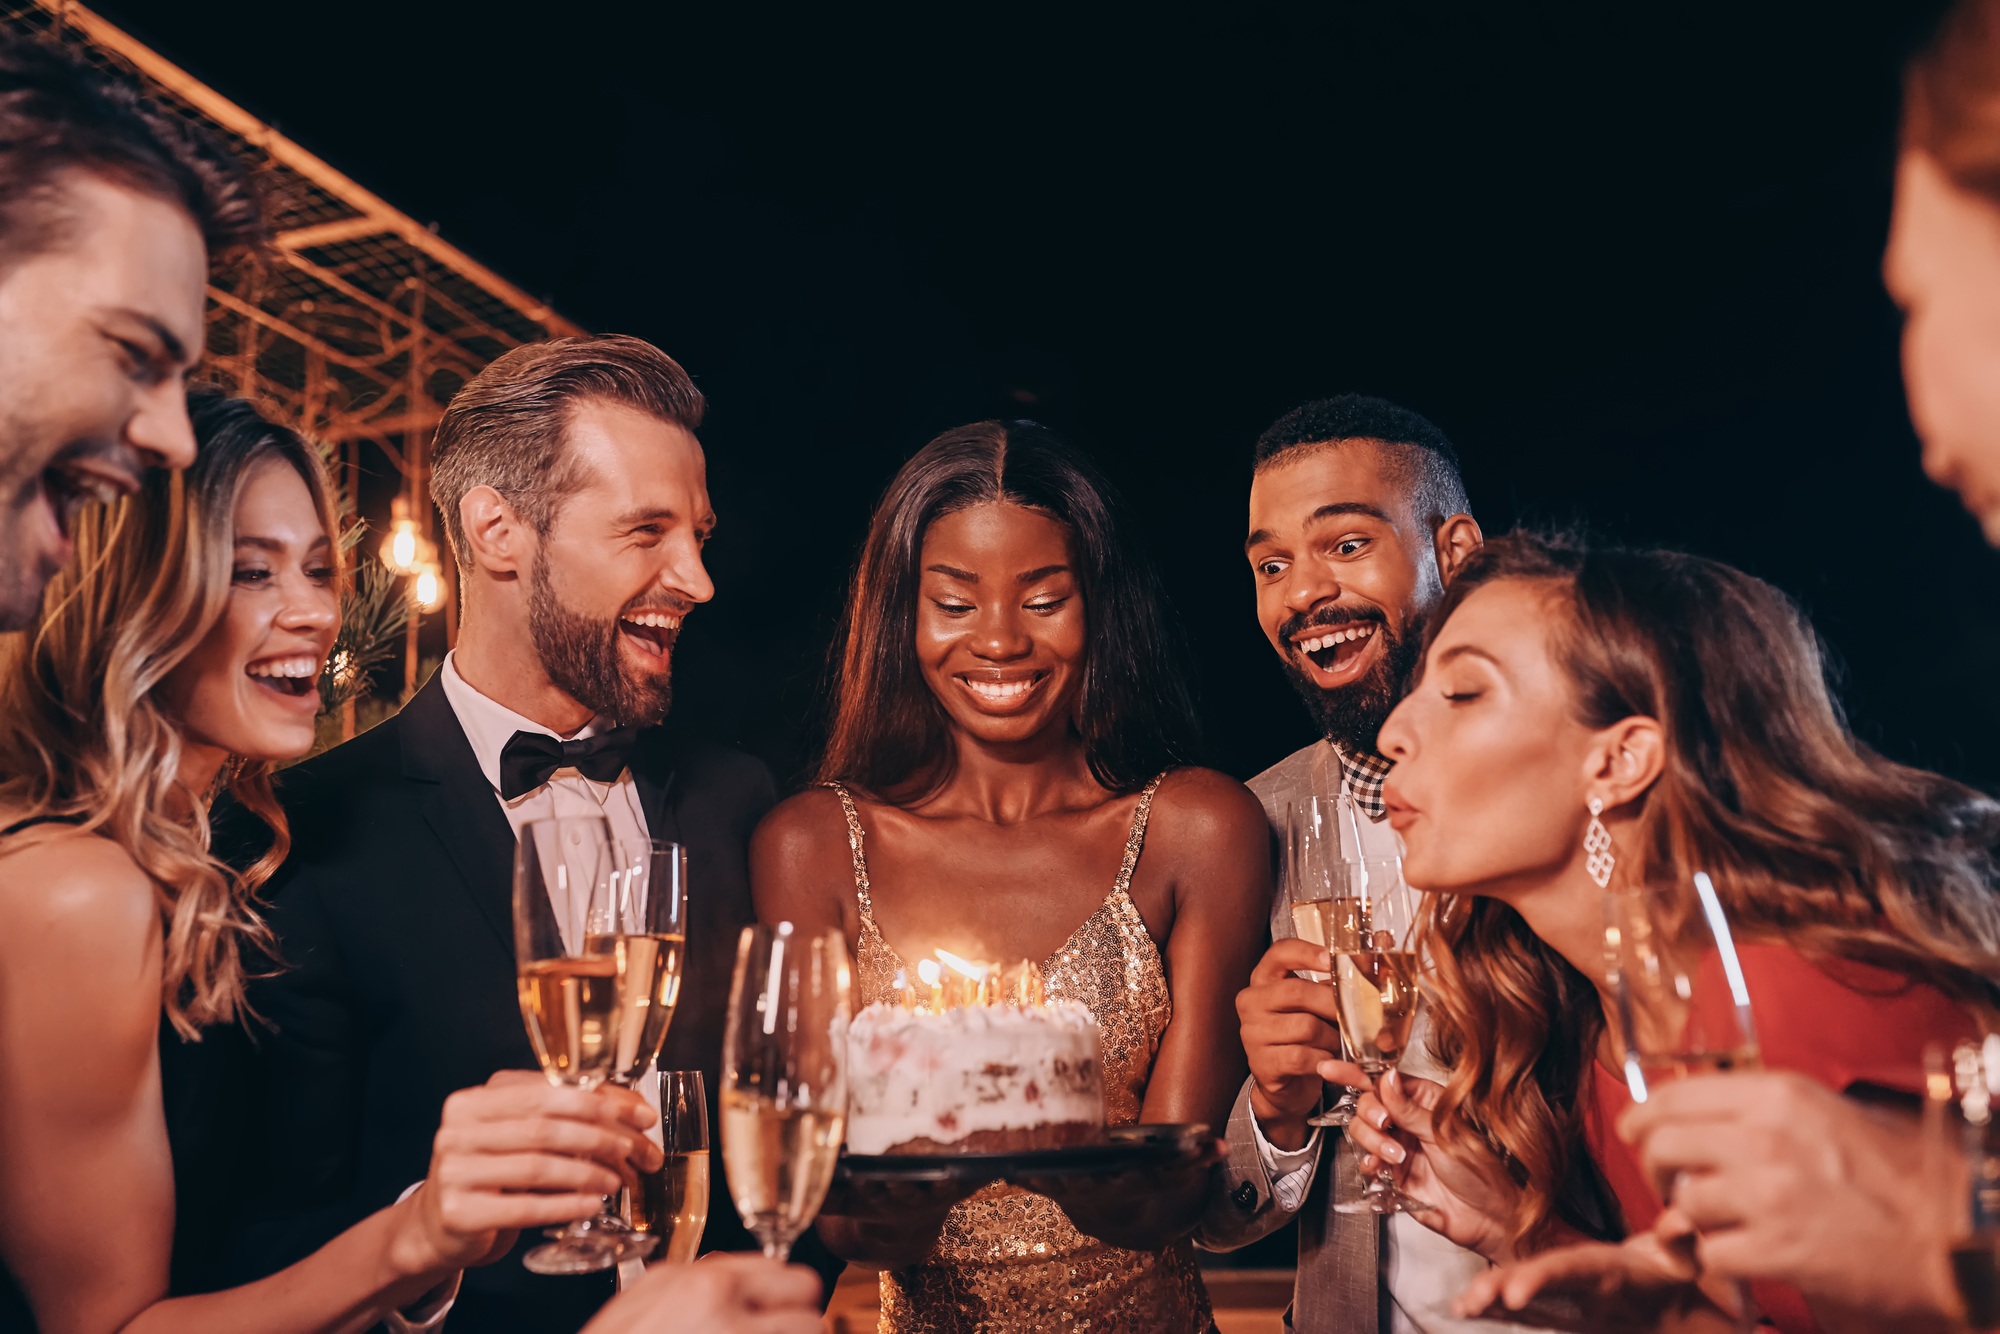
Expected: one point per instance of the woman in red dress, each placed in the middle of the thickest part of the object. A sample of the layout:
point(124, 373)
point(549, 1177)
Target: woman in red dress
point(1683, 704)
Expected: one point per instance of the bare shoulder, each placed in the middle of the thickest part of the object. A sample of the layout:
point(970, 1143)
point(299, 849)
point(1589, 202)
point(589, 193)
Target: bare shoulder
point(76, 905)
point(800, 826)
point(798, 867)
point(1209, 806)
point(64, 880)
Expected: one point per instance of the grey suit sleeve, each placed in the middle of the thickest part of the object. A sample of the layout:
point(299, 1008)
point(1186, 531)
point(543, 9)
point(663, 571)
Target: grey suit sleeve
point(1241, 1204)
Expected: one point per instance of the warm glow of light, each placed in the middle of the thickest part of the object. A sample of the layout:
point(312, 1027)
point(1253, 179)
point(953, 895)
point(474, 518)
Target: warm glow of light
point(963, 967)
point(928, 971)
point(427, 590)
point(400, 548)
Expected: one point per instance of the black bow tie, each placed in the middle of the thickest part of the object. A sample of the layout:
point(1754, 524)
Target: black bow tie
point(529, 759)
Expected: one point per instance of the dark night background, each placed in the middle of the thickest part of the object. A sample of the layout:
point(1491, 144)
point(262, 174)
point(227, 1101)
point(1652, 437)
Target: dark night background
point(1626, 256)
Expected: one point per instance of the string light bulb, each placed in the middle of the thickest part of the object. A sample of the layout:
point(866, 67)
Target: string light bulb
point(427, 589)
point(402, 549)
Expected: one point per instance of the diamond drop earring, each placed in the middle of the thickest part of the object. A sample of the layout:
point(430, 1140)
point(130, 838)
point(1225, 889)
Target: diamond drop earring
point(1597, 842)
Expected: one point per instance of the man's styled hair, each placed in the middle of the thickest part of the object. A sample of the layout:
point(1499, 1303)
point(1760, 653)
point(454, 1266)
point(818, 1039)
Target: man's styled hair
point(59, 114)
point(1430, 464)
point(508, 427)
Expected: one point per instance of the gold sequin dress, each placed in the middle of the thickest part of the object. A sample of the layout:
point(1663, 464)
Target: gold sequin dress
point(1008, 1259)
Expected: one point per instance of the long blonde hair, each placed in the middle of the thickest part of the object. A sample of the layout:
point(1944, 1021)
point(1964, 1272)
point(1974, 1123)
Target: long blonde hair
point(83, 733)
point(1812, 840)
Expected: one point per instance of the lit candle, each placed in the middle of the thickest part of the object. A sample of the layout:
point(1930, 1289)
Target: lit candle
point(933, 977)
point(1024, 985)
point(967, 980)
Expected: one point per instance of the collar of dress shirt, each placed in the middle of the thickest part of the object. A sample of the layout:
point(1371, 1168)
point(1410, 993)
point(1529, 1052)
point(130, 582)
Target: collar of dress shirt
point(489, 724)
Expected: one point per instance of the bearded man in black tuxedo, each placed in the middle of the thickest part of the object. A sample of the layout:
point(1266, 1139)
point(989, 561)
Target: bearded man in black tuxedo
point(575, 499)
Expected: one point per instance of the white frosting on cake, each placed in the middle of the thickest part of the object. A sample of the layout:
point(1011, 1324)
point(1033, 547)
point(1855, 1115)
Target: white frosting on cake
point(915, 1076)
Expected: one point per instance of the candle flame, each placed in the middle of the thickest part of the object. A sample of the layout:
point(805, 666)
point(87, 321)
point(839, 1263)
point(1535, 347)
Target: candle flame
point(963, 967)
point(928, 970)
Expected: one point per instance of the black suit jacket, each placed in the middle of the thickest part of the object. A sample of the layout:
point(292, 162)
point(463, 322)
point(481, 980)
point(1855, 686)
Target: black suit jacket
point(396, 983)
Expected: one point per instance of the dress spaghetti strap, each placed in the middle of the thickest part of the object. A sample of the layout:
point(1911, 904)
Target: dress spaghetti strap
point(855, 833)
point(1135, 841)
point(34, 820)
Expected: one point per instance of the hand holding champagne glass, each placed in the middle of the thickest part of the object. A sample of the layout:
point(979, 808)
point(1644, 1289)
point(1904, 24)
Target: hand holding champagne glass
point(1375, 977)
point(565, 881)
point(1683, 1005)
point(1313, 862)
point(784, 1078)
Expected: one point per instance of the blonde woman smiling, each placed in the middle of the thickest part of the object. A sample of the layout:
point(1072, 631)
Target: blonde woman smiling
point(178, 658)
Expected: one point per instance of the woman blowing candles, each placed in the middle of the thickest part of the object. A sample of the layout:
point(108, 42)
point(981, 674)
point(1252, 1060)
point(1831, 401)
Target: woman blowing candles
point(1007, 724)
point(181, 656)
point(1835, 1209)
point(1686, 703)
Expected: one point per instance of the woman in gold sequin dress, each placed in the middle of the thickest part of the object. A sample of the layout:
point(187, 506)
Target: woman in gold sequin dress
point(1004, 780)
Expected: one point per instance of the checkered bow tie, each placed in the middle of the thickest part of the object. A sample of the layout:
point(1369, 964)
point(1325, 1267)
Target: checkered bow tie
point(1365, 771)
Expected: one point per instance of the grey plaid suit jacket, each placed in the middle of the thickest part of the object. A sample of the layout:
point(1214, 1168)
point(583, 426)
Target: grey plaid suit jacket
point(1338, 1289)
point(1344, 1284)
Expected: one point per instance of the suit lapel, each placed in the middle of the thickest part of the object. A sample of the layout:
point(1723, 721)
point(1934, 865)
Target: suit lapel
point(653, 774)
point(461, 808)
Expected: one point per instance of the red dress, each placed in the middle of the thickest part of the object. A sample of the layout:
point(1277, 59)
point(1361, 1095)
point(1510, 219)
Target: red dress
point(1840, 1023)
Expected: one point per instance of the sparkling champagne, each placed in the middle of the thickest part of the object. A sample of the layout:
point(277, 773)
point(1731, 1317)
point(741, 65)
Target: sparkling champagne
point(1378, 1003)
point(780, 1162)
point(649, 983)
point(571, 1006)
point(672, 1204)
point(1338, 924)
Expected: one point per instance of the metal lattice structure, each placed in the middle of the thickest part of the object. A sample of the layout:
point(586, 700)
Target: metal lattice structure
point(365, 322)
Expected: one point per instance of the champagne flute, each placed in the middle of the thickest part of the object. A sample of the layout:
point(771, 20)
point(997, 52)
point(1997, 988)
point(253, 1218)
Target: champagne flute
point(1312, 860)
point(1683, 1005)
point(647, 939)
point(1375, 977)
point(672, 1203)
point(784, 1078)
point(564, 884)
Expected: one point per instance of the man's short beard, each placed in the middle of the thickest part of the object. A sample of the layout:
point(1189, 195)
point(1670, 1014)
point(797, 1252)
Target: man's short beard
point(1352, 716)
point(583, 658)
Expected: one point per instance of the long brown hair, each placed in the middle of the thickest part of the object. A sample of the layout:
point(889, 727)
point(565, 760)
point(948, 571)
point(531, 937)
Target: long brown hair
point(1951, 98)
point(83, 735)
point(1811, 838)
point(1134, 713)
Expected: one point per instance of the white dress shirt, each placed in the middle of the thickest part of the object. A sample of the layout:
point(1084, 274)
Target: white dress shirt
point(488, 726)
point(1421, 1270)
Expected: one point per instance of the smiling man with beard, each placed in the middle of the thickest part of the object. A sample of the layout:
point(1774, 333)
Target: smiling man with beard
point(575, 498)
point(1358, 518)
point(110, 213)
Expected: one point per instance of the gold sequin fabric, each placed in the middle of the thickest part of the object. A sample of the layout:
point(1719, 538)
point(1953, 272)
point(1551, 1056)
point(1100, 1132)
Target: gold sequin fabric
point(1008, 1259)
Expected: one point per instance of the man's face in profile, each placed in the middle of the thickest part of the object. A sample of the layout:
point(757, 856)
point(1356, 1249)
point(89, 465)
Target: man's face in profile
point(621, 564)
point(97, 332)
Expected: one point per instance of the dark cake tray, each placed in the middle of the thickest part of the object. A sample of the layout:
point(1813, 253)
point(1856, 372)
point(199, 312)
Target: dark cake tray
point(1123, 1149)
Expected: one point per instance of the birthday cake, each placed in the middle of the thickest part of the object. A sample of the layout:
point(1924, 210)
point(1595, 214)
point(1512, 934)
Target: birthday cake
point(979, 1077)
